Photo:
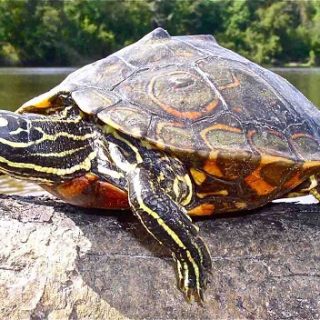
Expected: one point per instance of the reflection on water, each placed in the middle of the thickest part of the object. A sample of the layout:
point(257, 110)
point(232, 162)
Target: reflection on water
point(18, 85)
point(9, 185)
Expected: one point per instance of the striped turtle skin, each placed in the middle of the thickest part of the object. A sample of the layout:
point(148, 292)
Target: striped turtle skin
point(170, 127)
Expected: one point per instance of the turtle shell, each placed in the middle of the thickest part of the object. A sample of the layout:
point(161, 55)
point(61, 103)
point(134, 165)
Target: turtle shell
point(187, 94)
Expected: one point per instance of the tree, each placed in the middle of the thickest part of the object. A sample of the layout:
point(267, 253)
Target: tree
point(49, 32)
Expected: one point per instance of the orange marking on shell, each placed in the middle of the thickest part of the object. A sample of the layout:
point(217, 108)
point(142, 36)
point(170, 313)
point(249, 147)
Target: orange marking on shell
point(180, 114)
point(233, 84)
point(276, 133)
point(311, 164)
point(198, 176)
point(293, 182)
point(263, 186)
point(204, 209)
point(87, 191)
point(188, 114)
point(299, 135)
point(212, 105)
point(221, 126)
point(256, 182)
point(212, 168)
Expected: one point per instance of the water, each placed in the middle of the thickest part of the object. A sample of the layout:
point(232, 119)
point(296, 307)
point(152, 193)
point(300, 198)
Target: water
point(307, 80)
point(18, 85)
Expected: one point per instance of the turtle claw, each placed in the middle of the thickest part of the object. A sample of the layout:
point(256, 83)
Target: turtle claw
point(192, 294)
point(188, 284)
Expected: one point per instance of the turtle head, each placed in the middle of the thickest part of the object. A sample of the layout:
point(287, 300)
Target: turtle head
point(44, 149)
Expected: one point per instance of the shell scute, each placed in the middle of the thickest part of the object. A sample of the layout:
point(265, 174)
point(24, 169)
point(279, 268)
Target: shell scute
point(237, 165)
point(91, 100)
point(104, 74)
point(306, 146)
point(271, 142)
point(175, 135)
point(127, 117)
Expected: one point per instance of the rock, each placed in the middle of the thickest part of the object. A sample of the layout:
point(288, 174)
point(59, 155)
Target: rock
point(61, 262)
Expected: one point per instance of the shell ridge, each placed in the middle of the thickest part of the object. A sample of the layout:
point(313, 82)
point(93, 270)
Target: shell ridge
point(202, 37)
point(125, 61)
point(98, 88)
point(134, 72)
point(212, 86)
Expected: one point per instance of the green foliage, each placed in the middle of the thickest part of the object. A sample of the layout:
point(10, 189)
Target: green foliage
point(50, 32)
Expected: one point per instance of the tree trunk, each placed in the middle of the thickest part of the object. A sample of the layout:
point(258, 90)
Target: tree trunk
point(61, 262)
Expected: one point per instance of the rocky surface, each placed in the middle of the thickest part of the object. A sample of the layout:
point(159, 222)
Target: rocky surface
point(62, 262)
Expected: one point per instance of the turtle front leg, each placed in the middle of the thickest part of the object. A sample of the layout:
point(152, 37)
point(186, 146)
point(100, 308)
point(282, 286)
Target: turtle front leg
point(168, 222)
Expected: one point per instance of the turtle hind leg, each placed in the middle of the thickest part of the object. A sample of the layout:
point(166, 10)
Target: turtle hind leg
point(310, 186)
point(169, 223)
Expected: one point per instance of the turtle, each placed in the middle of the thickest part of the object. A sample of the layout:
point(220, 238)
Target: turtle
point(171, 127)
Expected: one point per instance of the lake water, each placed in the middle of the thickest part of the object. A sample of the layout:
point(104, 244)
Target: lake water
point(18, 85)
point(306, 80)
